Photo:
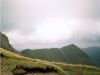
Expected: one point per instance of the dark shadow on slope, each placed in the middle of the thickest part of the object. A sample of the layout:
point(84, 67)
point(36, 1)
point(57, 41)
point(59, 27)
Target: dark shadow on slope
point(21, 70)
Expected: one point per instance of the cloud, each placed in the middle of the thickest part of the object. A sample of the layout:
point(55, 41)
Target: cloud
point(50, 23)
point(95, 9)
point(20, 13)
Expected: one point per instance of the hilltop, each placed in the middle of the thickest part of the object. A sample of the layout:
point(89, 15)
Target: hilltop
point(67, 54)
point(10, 60)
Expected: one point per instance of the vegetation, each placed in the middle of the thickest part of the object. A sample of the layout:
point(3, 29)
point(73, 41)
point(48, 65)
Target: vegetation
point(94, 54)
point(68, 54)
point(10, 60)
point(4, 43)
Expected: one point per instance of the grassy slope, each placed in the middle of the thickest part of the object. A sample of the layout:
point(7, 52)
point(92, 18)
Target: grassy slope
point(11, 59)
point(67, 54)
point(94, 54)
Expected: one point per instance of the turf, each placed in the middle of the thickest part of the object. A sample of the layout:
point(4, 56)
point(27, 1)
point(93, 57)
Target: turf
point(10, 60)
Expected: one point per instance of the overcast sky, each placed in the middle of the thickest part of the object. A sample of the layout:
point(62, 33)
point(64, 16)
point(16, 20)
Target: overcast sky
point(51, 23)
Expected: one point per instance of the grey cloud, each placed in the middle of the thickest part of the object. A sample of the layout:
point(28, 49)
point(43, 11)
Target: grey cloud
point(93, 39)
point(23, 12)
point(97, 8)
point(30, 23)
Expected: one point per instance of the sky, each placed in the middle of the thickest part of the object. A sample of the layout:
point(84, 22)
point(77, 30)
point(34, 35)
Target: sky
point(50, 23)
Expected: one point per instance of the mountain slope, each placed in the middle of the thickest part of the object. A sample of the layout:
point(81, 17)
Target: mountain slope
point(9, 61)
point(4, 43)
point(94, 54)
point(67, 54)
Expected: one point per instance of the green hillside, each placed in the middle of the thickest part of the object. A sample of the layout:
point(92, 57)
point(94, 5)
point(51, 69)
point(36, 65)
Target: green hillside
point(68, 54)
point(94, 54)
point(10, 60)
point(4, 43)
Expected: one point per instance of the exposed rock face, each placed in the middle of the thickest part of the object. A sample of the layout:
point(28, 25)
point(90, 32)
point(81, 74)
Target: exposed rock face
point(4, 43)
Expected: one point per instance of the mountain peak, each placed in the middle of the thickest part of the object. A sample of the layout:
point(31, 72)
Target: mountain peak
point(5, 43)
point(71, 45)
point(66, 54)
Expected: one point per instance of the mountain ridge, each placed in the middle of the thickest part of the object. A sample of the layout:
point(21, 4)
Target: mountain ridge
point(66, 54)
point(10, 60)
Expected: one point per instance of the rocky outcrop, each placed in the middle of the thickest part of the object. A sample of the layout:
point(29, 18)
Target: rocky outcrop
point(4, 43)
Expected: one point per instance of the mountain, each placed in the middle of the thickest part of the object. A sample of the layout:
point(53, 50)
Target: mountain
point(66, 54)
point(12, 63)
point(15, 64)
point(94, 54)
point(4, 43)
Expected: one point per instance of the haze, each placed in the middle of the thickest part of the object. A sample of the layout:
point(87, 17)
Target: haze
point(51, 23)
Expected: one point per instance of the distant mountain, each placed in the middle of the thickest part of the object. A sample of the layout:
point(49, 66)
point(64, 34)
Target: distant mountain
point(14, 64)
point(94, 54)
point(67, 54)
point(4, 43)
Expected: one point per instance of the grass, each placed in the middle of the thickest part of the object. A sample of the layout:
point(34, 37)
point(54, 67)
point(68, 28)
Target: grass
point(10, 60)
point(43, 74)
